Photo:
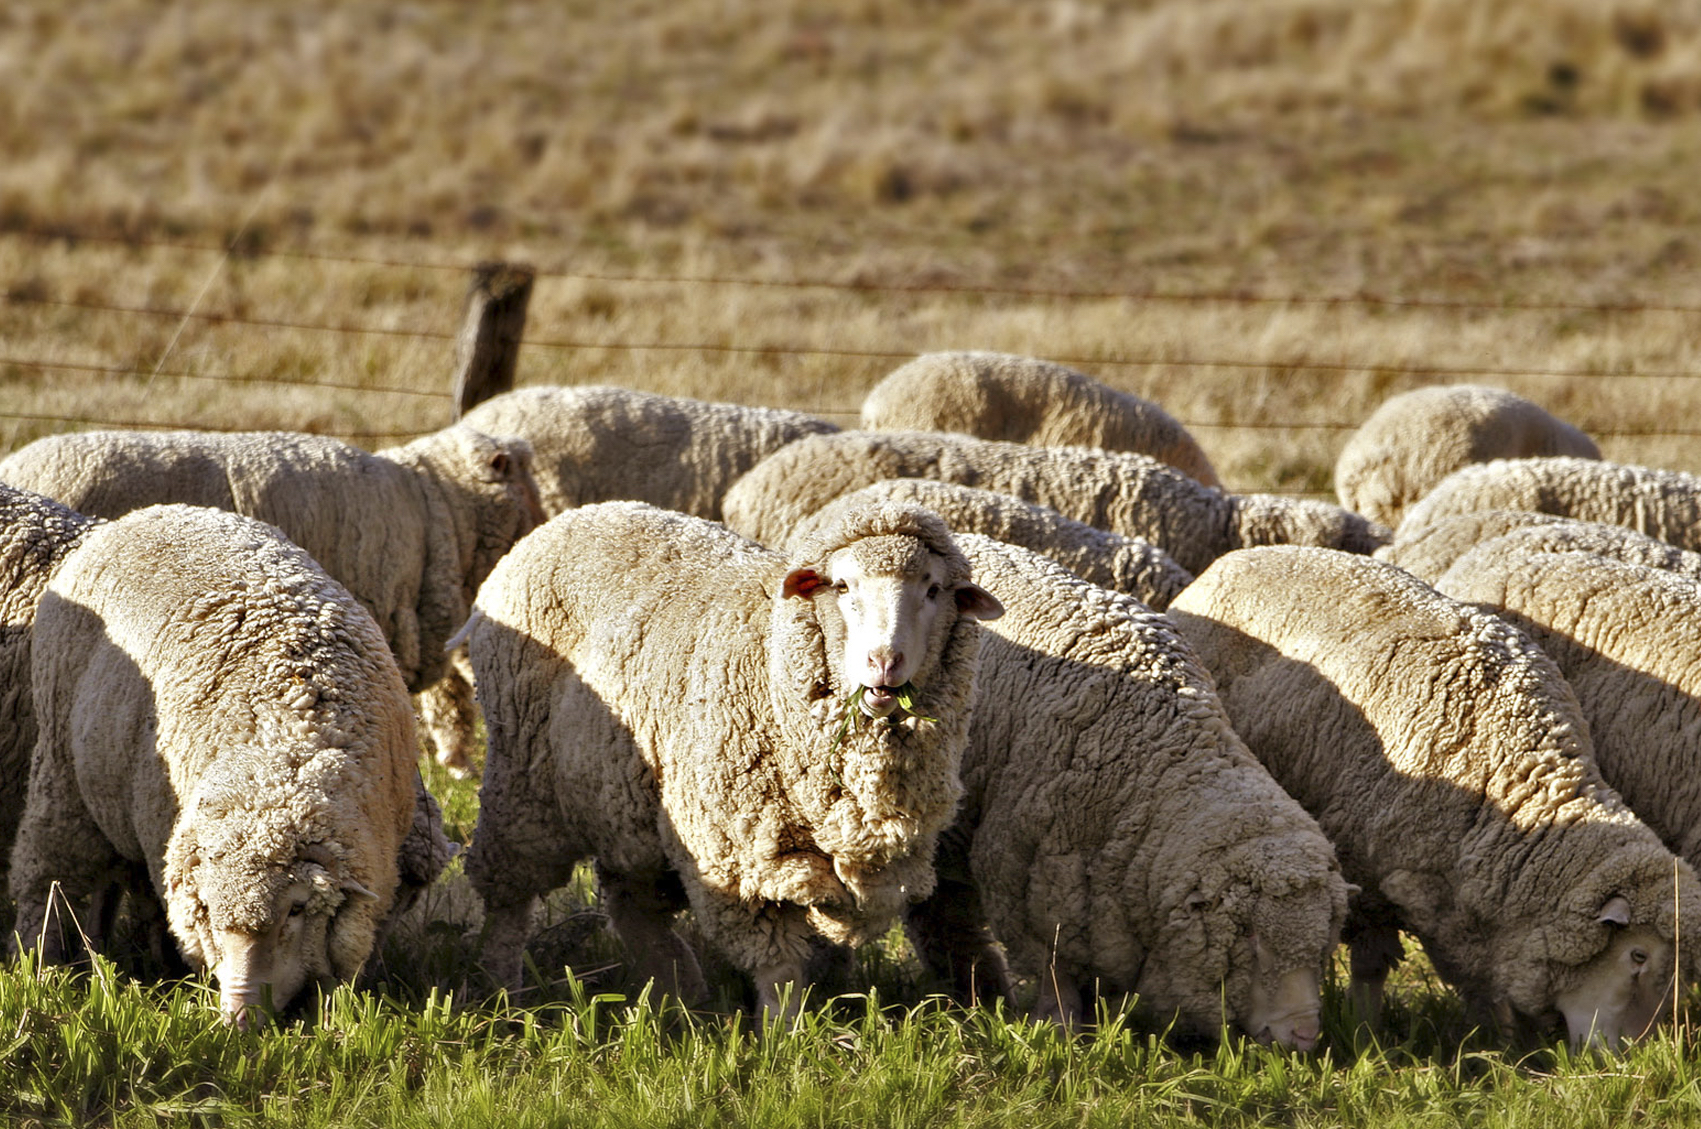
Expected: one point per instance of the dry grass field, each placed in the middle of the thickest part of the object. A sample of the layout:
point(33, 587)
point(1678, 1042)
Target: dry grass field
point(1267, 216)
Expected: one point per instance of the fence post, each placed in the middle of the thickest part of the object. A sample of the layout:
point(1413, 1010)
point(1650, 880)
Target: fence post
point(495, 322)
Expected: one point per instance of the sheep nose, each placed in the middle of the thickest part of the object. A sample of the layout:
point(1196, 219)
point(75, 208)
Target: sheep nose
point(885, 668)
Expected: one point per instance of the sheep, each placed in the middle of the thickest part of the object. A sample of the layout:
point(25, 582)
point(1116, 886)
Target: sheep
point(670, 699)
point(217, 712)
point(1416, 439)
point(1446, 758)
point(36, 534)
point(1115, 830)
point(412, 531)
point(1626, 637)
point(1431, 551)
point(1027, 400)
point(600, 444)
point(1122, 564)
point(1661, 503)
point(1121, 491)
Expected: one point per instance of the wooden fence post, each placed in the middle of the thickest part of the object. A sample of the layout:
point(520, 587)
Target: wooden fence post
point(495, 322)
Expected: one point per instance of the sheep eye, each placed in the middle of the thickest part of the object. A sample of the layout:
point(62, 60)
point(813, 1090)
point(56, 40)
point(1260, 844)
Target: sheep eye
point(933, 592)
point(298, 909)
point(1638, 956)
point(841, 587)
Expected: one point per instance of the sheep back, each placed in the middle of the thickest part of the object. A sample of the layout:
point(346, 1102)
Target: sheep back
point(1027, 400)
point(600, 443)
point(1661, 503)
point(1109, 560)
point(1414, 440)
point(36, 534)
point(1443, 754)
point(1628, 639)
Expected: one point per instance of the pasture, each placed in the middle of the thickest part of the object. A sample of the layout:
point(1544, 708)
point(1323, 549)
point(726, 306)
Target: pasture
point(1268, 218)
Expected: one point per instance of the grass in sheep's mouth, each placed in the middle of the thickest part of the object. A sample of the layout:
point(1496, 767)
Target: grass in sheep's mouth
point(907, 694)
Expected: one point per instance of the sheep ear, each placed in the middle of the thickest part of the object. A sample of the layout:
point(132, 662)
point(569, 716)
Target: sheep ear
point(802, 582)
point(1615, 911)
point(353, 889)
point(977, 603)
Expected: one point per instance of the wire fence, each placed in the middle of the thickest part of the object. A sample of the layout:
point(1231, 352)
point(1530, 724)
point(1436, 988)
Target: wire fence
point(28, 296)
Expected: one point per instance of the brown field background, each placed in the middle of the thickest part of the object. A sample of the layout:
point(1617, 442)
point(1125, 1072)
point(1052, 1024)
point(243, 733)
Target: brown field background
point(1267, 215)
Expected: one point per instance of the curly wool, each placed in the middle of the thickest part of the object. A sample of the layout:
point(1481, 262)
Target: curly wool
point(1628, 639)
point(1445, 757)
point(600, 443)
point(212, 706)
point(1416, 439)
point(1127, 493)
point(36, 534)
point(1429, 552)
point(704, 707)
point(1115, 828)
point(1110, 560)
point(1026, 400)
point(1661, 503)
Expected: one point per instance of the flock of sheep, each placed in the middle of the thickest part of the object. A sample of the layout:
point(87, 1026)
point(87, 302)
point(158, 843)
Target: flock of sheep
point(1005, 665)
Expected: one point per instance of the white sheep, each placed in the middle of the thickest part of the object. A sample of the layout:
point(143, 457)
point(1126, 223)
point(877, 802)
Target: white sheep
point(36, 533)
point(1626, 636)
point(1115, 832)
point(412, 531)
point(1416, 439)
point(599, 443)
point(1127, 493)
point(1026, 400)
point(1110, 560)
point(1661, 503)
point(775, 744)
point(1446, 758)
point(215, 709)
point(1431, 551)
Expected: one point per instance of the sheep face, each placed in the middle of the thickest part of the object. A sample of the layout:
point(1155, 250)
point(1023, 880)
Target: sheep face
point(1618, 996)
point(1286, 1003)
point(889, 592)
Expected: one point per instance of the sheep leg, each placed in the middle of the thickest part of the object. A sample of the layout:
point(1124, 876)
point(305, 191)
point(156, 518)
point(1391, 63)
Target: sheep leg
point(1374, 951)
point(448, 717)
point(60, 860)
point(950, 936)
point(506, 928)
point(1059, 999)
point(642, 914)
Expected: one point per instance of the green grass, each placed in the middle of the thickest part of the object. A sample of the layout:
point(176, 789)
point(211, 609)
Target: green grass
point(99, 1048)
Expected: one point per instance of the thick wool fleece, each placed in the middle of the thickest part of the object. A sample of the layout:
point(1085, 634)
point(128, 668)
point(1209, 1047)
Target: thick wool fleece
point(1628, 639)
point(1416, 439)
point(1098, 556)
point(1116, 829)
point(601, 444)
point(1661, 503)
point(1445, 757)
point(411, 531)
point(1127, 493)
point(654, 700)
point(216, 708)
point(36, 534)
point(1026, 400)
point(1434, 549)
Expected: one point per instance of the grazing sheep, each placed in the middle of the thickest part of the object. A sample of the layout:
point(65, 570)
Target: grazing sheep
point(1626, 637)
point(1416, 439)
point(684, 706)
point(1110, 560)
point(1121, 491)
point(1428, 552)
point(412, 531)
point(1116, 831)
point(605, 444)
point(36, 534)
point(217, 711)
point(1661, 503)
point(1446, 758)
point(1026, 400)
